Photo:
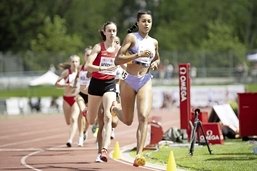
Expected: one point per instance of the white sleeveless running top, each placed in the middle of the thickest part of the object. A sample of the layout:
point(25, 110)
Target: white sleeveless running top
point(142, 44)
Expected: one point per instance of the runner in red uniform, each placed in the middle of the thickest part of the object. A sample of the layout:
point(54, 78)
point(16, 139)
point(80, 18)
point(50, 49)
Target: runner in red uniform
point(71, 90)
point(82, 98)
point(102, 87)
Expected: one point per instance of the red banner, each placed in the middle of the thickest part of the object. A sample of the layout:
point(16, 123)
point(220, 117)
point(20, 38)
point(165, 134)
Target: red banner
point(212, 132)
point(184, 95)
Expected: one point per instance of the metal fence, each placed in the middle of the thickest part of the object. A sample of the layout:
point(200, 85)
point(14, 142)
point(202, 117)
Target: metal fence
point(12, 74)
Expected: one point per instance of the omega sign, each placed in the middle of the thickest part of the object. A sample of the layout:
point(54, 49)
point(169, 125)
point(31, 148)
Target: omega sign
point(184, 95)
point(183, 82)
point(213, 133)
point(210, 136)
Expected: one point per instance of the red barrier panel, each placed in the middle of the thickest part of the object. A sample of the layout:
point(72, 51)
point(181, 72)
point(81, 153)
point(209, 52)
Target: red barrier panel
point(247, 112)
point(212, 132)
point(155, 136)
point(156, 133)
point(184, 95)
point(203, 117)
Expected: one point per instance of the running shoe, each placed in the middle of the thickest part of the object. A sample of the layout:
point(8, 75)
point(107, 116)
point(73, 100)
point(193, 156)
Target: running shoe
point(84, 136)
point(98, 158)
point(81, 141)
point(139, 161)
point(68, 144)
point(103, 155)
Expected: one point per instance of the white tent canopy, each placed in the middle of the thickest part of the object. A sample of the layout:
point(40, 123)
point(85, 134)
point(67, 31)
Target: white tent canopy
point(252, 57)
point(49, 78)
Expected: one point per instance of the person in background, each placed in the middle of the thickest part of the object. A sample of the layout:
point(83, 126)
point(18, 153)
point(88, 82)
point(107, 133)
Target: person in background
point(71, 90)
point(82, 98)
point(140, 52)
point(102, 89)
point(118, 75)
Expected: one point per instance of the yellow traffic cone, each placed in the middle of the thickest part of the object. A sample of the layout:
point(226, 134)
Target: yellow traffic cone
point(116, 153)
point(171, 164)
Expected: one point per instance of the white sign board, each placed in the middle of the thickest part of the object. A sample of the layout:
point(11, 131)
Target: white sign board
point(227, 116)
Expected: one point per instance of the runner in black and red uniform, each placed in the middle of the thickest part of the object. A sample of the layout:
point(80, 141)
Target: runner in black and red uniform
point(102, 87)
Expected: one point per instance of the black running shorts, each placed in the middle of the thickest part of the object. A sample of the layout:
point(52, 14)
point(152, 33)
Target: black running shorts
point(99, 87)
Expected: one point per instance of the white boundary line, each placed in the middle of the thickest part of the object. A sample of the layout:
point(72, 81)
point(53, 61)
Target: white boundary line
point(34, 140)
point(27, 133)
point(24, 158)
point(128, 160)
point(125, 159)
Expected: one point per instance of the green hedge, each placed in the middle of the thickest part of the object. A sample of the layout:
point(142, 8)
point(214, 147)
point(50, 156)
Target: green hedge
point(39, 91)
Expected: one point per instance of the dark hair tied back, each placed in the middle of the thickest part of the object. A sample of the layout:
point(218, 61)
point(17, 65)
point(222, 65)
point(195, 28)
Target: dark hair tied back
point(133, 28)
point(103, 29)
point(142, 12)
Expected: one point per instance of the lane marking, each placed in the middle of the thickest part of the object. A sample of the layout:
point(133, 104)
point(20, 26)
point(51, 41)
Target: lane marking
point(128, 160)
point(24, 158)
point(26, 133)
point(19, 149)
point(61, 148)
point(34, 140)
point(54, 148)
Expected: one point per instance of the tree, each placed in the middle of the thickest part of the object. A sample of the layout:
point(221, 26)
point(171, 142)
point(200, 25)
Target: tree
point(182, 27)
point(52, 45)
point(21, 20)
point(221, 39)
point(18, 23)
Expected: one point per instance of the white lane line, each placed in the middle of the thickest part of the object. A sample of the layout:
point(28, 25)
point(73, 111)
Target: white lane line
point(55, 148)
point(26, 133)
point(34, 140)
point(70, 149)
point(24, 158)
point(128, 160)
point(20, 149)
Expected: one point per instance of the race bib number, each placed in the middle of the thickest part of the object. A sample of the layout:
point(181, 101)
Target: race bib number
point(106, 62)
point(84, 80)
point(124, 75)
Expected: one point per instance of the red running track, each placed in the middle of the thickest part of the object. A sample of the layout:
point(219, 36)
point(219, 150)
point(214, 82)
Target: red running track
point(37, 142)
